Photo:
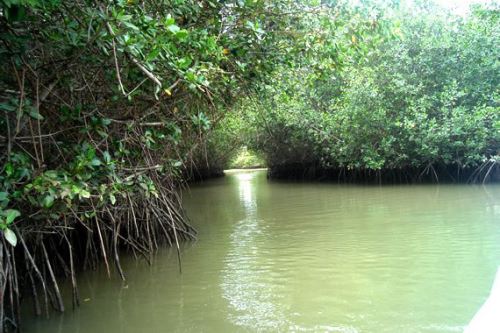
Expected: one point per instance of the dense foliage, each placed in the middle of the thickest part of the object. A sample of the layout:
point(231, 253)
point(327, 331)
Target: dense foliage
point(421, 103)
point(105, 108)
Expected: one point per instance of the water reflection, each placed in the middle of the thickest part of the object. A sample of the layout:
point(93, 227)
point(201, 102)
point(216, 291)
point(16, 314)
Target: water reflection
point(300, 257)
point(245, 276)
point(247, 197)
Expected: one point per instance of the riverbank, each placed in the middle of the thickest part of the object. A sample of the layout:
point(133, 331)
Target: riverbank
point(488, 172)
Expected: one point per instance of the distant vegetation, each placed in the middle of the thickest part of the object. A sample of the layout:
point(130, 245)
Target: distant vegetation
point(247, 159)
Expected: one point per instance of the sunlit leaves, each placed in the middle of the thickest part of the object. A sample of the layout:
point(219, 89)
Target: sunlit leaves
point(7, 218)
point(10, 237)
point(380, 101)
point(10, 215)
point(48, 201)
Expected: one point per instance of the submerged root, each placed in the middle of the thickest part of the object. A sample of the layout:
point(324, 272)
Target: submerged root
point(489, 170)
point(138, 225)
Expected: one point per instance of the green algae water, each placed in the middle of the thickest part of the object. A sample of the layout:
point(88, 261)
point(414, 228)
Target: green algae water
point(305, 257)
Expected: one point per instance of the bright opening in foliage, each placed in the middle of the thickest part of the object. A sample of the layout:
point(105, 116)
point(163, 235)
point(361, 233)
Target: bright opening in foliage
point(247, 159)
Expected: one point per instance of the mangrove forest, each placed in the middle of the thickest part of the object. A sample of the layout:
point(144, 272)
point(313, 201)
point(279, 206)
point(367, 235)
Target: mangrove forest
point(374, 125)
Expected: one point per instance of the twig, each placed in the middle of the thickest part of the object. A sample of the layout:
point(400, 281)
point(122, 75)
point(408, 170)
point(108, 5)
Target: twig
point(145, 71)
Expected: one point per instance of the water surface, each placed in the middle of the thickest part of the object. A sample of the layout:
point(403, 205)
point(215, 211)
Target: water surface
point(306, 257)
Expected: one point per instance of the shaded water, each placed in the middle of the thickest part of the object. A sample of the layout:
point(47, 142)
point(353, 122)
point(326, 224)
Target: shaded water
point(307, 257)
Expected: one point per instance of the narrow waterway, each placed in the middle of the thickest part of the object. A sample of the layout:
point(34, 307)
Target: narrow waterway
point(306, 257)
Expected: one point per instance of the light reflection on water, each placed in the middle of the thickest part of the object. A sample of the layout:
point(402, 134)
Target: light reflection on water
point(307, 257)
point(249, 295)
point(261, 303)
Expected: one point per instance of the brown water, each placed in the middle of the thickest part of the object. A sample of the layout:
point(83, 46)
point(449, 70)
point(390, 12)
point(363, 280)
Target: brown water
point(306, 257)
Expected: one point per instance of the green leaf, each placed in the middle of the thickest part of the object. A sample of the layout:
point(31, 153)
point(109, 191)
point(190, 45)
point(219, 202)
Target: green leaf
point(153, 54)
point(131, 26)
point(95, 162)
point(102, 133)
point(112, 198)
point(181, 34)
point(169, 20)
point(106, 156)
point(173, 28)
point(184, 62)
point(10, 215)
point(7, 107)
point(75, 189)
point(48, 201)
point(10, 237)
point(35, 115)
point(84, 194)
point(4, 196)
point(9, 169)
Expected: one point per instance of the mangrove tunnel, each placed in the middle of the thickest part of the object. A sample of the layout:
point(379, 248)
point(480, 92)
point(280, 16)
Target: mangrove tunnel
point(378, 123)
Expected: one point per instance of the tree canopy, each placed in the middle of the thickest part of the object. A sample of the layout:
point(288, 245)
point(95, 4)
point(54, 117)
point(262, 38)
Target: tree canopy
point(108, 107)
point(422, 96)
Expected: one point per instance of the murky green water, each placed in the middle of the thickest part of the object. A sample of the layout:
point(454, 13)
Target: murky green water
point(307, 257)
